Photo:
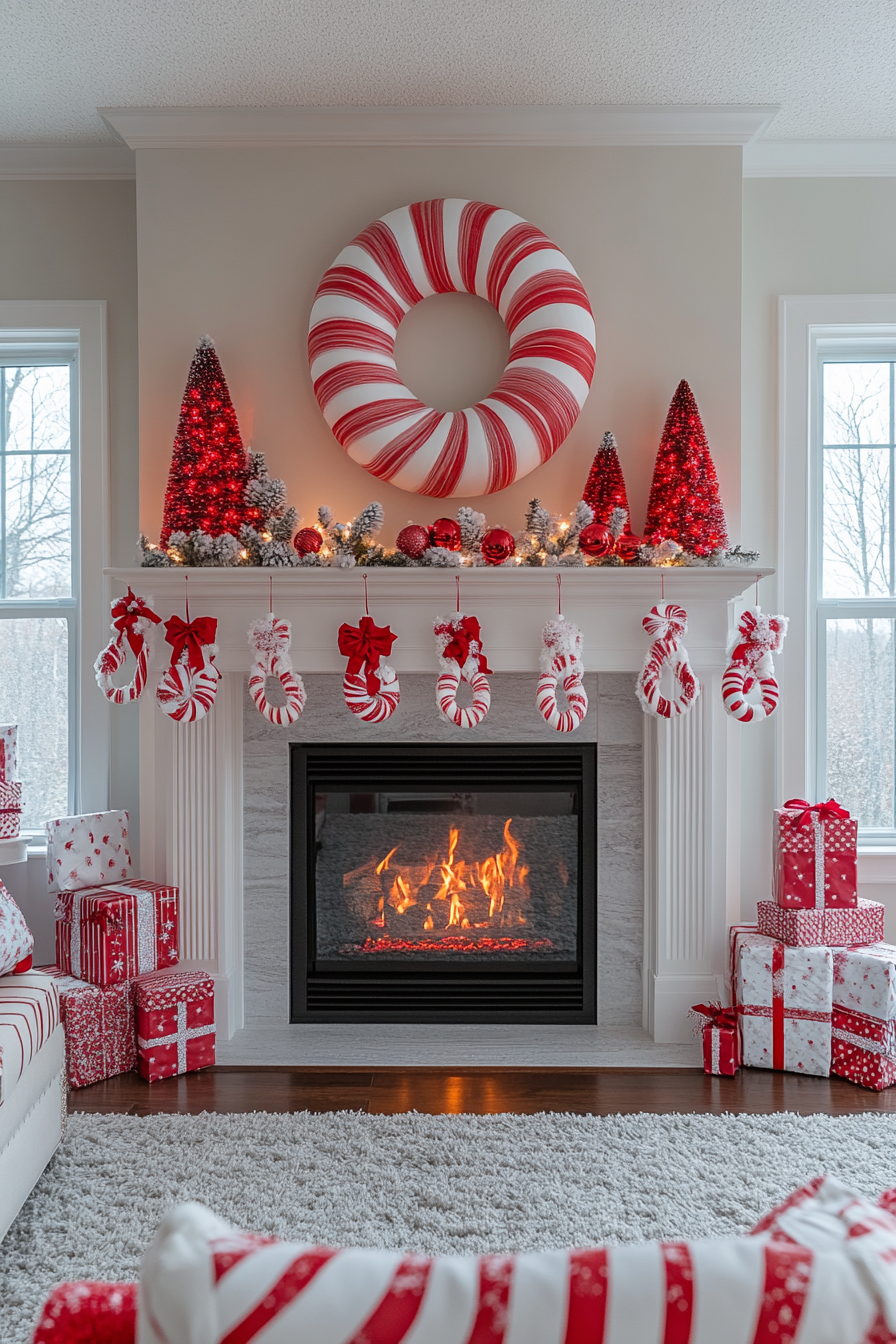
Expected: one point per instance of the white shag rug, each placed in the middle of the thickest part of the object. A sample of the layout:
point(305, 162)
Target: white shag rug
point(457, 1183)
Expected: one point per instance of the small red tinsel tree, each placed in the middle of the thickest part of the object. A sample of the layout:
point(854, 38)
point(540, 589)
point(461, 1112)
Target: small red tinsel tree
point(605, 488)
point(684, 504)
point(209, 466)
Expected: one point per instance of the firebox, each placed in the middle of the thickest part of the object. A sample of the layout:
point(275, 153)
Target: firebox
point(443, 883)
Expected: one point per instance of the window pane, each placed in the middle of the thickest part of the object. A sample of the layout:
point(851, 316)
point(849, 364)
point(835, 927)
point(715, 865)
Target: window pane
point(856, 522)
point(857, 403)
point(35, 482)
point(861, 694)
point(34, 694)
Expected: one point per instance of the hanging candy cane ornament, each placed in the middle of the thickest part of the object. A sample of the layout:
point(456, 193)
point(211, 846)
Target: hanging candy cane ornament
point(370, 686)
point(461, 658)
point(188, 688)
point(270, 639)
point(750, 664)
point(561, 660)
point(132, 621)
point(666, 624)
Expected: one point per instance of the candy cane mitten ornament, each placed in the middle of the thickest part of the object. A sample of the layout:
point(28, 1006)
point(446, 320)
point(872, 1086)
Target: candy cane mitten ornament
point(188, 688)
point(461, 658)
point(666, 625)
point(561, 660)
point(269, 639)
point(370, 686)
point(750, 664)
point(132, 621)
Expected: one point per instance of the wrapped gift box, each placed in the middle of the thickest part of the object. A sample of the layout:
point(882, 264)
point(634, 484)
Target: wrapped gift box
point(721, 1038)
point(10, 810)
point(116, 933)
point(8, 765)
point(815, 857)
point(99, 1028)
point(864, 1015)
point(88, 851)
point(783, 996)
point(175, 1023)
point(862, 923)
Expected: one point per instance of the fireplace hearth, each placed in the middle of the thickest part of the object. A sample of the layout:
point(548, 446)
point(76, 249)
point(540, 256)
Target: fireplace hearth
point(443, 883)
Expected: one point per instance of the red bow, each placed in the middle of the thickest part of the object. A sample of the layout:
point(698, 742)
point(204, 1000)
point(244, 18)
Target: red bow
point(190, 637)
point(717, 1015)
point(365, 644)
point(463, 634)
point(825, 811)
point(126, 612)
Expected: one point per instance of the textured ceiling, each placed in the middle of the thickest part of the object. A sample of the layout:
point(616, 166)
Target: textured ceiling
point(831, 64)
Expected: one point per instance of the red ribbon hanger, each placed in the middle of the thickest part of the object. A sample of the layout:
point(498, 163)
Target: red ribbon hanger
point(824, 811)
point(190, 636)
point(126, 612)
point(365, 644)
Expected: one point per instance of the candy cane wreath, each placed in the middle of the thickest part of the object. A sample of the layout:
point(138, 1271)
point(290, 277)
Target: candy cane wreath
point(370, 687)
point(188, 688)
point(750, 664)
point(561, 660)
point(461, 658)
point(132, 621)
point(667, 624)
point(439, 247)
point(269, 639)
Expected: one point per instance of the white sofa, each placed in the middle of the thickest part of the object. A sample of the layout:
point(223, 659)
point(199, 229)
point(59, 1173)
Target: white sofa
point(32, 1086)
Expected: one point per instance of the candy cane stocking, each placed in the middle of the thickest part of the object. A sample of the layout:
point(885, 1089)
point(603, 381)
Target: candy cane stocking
point(666, 624)
point(132, 621)
point(270, 639)
point(188, 688)
point(461, 658)
point(750, 664)
point(561, 660)
point(370, 686)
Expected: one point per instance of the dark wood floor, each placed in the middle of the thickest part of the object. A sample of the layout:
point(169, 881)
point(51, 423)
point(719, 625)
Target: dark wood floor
point(479, 1091)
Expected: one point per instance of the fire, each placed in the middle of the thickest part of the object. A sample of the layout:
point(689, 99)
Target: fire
point(447, 891)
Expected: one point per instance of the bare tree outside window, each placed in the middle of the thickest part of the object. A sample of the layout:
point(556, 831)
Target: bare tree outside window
point(858, 564)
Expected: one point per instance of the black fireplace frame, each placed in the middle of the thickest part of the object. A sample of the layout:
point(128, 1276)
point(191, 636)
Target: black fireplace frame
point(454, 991)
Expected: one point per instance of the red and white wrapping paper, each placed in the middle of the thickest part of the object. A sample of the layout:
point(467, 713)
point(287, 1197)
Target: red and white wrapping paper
point(111, 934)
point(175, 1023)
point(99, 1028)
point(88, 851)
point(864, 1015)
point(863, 923)
point(815, 856)
point(8, 762)
point(721, 1038)
point(10, 809)
point(783, 996)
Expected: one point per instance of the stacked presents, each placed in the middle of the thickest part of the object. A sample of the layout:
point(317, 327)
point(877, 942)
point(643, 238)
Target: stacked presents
point(10, 785)
point(813, 984)
point(123, 1006)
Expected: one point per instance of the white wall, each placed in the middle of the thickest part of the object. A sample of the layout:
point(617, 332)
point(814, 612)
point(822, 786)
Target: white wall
point(800, 236)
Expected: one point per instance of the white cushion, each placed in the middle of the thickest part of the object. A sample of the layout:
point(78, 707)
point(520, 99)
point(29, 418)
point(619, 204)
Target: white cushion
point(29, 1014)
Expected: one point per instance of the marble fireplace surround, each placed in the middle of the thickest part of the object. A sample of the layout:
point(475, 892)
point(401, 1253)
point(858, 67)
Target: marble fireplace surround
point(213, 800)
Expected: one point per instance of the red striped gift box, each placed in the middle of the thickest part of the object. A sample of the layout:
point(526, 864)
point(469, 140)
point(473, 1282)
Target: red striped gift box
point(175, 1023)
point(108, 934)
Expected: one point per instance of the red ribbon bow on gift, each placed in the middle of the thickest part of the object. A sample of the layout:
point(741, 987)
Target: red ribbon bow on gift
point(824, 811)
point(191, 637)
point(464, 633)
point(716, 1014)
point(126, 612)
point(363, 645)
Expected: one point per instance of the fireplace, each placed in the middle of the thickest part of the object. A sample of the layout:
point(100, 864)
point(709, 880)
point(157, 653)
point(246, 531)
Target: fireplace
point(443, 883)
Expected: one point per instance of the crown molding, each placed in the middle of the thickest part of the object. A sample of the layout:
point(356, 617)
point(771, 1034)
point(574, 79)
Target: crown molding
point(820, 158)
point(37, 162)
point(253, 127)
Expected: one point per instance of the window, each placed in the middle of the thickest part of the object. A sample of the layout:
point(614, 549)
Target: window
point(854, 473)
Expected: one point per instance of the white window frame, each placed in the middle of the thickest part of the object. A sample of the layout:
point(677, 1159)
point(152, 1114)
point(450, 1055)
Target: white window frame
point(81, 324)
point(807, 325)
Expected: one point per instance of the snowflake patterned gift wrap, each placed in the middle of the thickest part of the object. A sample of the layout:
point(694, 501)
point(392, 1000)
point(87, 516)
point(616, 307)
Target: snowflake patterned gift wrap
point(815, 856)
point(10, 810)
point(99, 1028)
point(862, 923)
point(108, 934)
point(783, 996)
point(864, 1015)
point(175, 1023)
point(88, 851)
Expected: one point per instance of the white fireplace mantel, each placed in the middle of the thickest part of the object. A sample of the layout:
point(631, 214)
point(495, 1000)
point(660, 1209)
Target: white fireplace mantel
point(191, 775)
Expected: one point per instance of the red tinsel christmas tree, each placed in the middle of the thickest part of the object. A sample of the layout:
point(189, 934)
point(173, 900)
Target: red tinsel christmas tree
point(209, 465)
point(605, 488)
point(684, 504)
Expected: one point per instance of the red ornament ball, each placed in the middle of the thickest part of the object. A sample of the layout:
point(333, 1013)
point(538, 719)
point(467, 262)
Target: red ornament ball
point(307, 541)
point(596, 540)
point(445, 532)
point(627, 547)
point(498, 545)
point(413, 541)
